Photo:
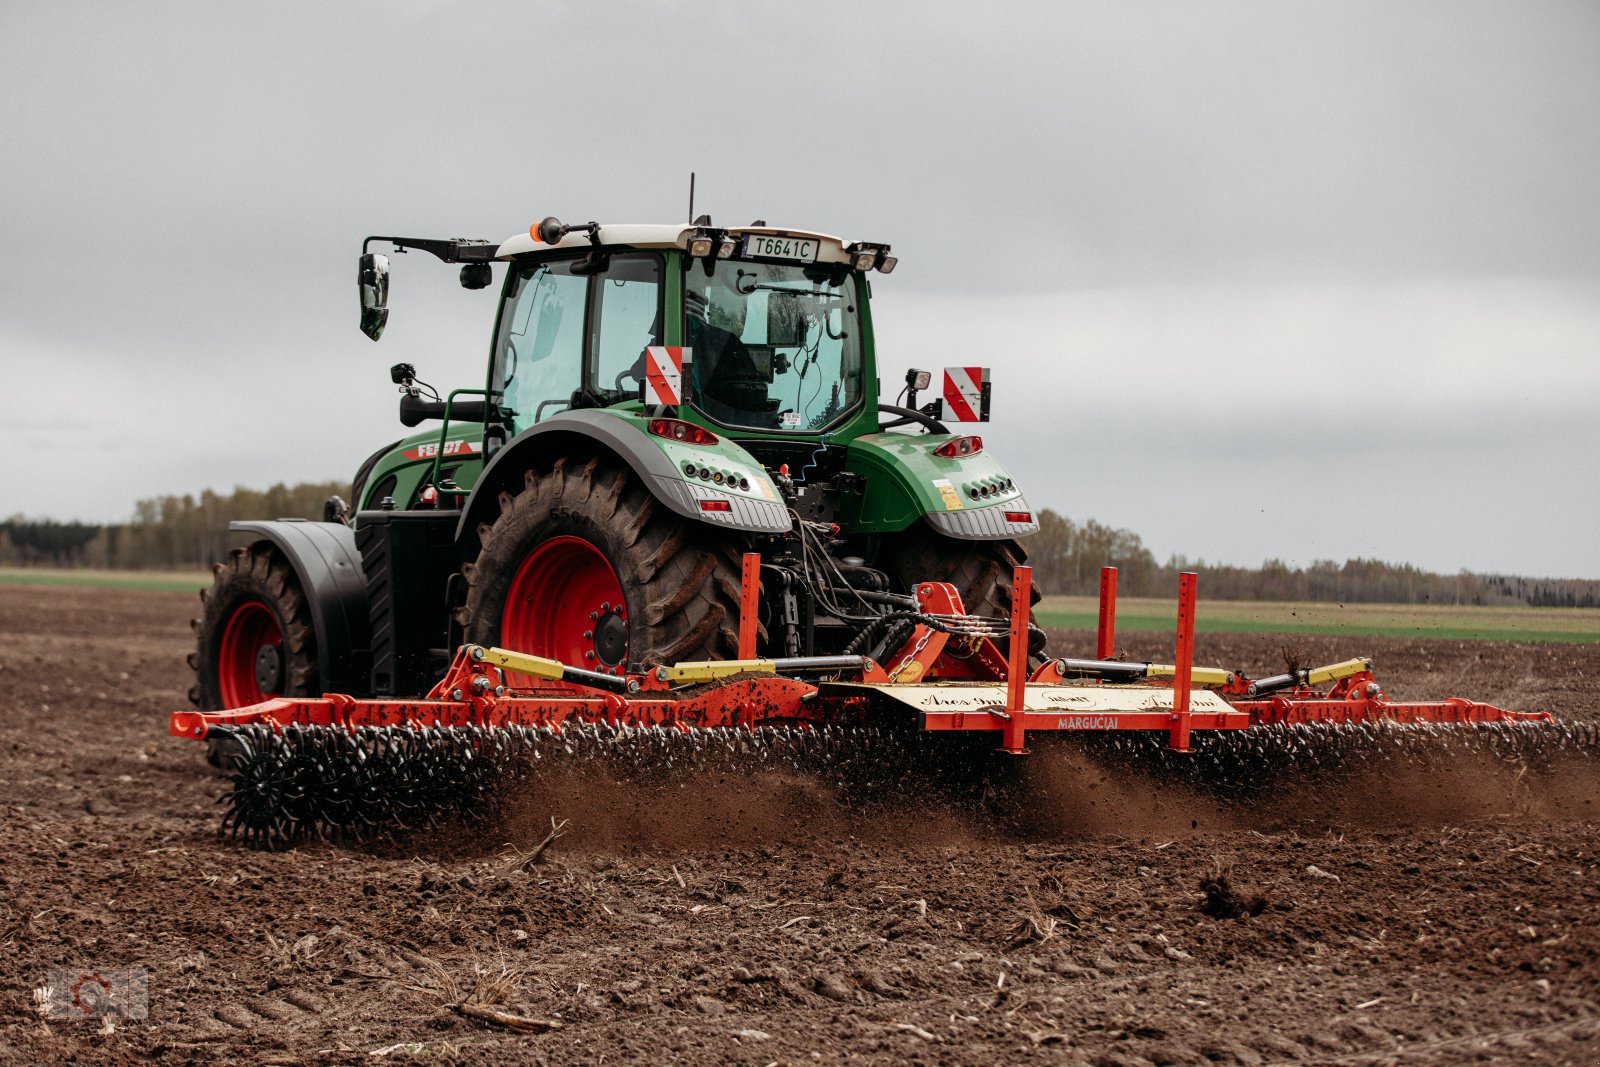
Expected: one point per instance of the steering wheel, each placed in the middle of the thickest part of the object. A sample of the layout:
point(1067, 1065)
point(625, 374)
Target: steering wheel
point(538, 412)
point(636, 372)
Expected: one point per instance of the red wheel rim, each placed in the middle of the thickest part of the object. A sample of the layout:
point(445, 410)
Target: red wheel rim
point(250, 631)
point(565, 603)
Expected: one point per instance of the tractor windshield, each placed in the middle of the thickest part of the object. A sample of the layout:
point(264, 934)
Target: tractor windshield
point(774, 346)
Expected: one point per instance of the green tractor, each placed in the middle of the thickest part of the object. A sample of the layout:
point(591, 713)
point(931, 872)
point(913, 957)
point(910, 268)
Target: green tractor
point(661, 400)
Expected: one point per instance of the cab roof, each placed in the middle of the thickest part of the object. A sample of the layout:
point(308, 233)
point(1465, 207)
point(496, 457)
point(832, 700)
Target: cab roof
point(664, 235)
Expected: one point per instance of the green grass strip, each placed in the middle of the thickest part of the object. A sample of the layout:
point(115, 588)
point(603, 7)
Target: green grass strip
point(160, 581)
point(1072, 620)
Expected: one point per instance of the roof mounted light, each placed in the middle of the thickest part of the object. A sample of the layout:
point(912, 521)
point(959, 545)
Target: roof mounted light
point(701, 242)
point(726, 247)
point(550, 230)
point(865, 256)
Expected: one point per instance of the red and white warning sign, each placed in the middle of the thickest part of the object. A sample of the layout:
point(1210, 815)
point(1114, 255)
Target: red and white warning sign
point(663, 374)
point(966, 393)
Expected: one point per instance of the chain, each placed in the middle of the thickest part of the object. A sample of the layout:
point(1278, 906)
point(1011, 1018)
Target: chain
point(916, 650)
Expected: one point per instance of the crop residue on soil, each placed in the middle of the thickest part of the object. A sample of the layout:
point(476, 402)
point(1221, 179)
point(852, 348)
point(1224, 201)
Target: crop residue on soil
point(1439, 919)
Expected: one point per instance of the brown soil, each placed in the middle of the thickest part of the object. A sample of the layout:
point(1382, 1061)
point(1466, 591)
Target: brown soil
point(1450, 920)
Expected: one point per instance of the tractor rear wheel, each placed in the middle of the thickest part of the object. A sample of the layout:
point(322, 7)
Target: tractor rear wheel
point(980, 570)
point(586, 567)
point(254, 639)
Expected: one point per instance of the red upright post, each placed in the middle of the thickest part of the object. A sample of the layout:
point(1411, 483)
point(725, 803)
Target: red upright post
point(1179, 740)
point(1017, 669)
point(749, 588)
point(1105, 646)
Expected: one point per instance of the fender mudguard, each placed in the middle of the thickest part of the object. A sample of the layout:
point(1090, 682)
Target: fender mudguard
point(328, 564)
point(557, 436)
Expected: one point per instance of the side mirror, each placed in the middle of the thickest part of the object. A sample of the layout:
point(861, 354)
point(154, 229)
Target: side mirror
point(373, 280)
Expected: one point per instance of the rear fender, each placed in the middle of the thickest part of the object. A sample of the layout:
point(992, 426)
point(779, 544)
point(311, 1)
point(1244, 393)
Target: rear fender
point(658, 463)
point(325, 559)
point(970, 498)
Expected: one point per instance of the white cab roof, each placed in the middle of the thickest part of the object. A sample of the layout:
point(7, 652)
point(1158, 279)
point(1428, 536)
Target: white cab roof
point(657, 235)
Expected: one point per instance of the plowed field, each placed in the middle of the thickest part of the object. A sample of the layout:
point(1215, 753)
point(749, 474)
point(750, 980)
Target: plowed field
point(1446, 920)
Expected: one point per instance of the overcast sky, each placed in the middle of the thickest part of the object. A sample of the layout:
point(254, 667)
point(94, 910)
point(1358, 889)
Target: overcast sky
point(1256, 280)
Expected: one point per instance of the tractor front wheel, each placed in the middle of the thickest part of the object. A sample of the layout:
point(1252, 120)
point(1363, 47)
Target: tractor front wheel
point(254, 639)
point(586, 567)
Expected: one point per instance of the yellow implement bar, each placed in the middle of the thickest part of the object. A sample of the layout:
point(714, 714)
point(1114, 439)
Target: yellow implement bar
point(534, 666)
point(711, 670)
point(1205, 677)
point(1334, 671)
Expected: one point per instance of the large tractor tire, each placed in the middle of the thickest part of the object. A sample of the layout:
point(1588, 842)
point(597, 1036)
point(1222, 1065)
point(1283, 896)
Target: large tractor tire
point(586, 567)
point(980, 571)
point(254, 639)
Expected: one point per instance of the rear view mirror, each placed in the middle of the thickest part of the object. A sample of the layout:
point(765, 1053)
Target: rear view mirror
point(373, 279)
point(786, 320)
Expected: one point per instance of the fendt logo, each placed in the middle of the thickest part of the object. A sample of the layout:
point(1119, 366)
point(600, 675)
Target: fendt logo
point(451, 448)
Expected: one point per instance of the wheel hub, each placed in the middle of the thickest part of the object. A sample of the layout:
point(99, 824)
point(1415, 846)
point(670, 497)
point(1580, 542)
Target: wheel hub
point(269, 669)
point(611, 637)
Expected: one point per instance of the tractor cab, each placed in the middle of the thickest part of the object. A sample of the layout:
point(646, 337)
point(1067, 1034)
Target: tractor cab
point(770, 327)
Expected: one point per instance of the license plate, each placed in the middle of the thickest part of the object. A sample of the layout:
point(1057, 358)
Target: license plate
point(792, 249)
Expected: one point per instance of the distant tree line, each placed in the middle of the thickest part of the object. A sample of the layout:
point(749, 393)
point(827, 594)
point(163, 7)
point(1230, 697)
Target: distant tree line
point(1067, 557)
point(174, 532)
point(166, 533)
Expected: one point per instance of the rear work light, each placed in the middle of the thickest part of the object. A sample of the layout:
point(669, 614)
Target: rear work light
point(1019, 516)
point(965, 445)
point(678, 430)
point(715, 505)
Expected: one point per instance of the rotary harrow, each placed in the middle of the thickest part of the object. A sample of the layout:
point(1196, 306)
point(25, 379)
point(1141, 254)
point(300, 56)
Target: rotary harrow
point(341, 768)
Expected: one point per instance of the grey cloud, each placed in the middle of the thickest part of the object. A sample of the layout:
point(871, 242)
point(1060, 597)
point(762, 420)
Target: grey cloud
point(184, 187)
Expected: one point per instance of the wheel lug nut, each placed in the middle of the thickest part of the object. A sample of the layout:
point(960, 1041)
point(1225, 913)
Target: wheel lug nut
point(589, 654)
point(605, 606)
point(588, 635)
point(593, 615)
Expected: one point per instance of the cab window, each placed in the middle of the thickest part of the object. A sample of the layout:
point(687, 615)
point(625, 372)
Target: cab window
point(628, 322)
point(776, 346)
point(539, 353)
point(542, 349)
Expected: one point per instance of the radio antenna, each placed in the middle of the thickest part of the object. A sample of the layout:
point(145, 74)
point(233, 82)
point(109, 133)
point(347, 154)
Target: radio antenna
point(691, 196)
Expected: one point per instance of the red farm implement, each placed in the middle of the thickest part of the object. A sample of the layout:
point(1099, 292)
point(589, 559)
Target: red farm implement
point(337, 765)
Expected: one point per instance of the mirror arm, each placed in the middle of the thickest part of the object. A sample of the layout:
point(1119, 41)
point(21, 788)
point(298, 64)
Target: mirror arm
point(415, 410)
point(456, 250)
